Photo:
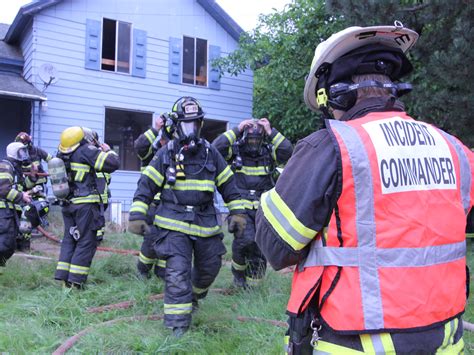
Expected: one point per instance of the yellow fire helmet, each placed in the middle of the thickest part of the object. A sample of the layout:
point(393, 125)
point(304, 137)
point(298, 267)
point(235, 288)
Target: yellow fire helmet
point(70, 139)
point(349, 39)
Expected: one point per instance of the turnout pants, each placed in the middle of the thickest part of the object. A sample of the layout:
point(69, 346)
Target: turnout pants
point(248, 263)
point(79, 244)
point(147, 258)
point(8, 233)
point(186, 280)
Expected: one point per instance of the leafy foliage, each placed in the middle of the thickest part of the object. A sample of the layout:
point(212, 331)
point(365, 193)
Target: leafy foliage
point(280, 51)
point(281, 48)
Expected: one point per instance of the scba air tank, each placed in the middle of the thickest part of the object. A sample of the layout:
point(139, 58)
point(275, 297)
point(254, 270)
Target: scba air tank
point(58, 176)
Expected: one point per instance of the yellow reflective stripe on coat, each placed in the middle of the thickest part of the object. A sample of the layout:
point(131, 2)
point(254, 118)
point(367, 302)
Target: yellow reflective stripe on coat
point(183, 308)
point(377, 343)
point(276, 141)
point(200, 291)
point(231, 137)
point(12, 195)
point(235, 205)
point(80, 270)
point(448, 346)
point(284, 221)
point(86, 199)
point(146, 260)
point(63, 266)
point(7, 176)
point(192, 185)
point(225, 175)
point(160, 263)
point(254, 170)
point(148, 153)
point(150, 136)
point(154, 175)
point(324, 348)
point(99, 163)
point(80, 167)
point(250, 204)
point(187, 228)
point(238, 266)
point(4, 204)
point(139, 206)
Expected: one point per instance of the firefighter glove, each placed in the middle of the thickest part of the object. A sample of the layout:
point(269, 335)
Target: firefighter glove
point(139, 227)
point(237, 223)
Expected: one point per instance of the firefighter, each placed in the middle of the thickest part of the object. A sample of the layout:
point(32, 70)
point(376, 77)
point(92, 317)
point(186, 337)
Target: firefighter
point(12, 195)
point(37, 156)
point(103, 178)
point(186, 171)
point(82, 208)
point(35, 182)
point(253, 150)
point(146, 146)
point(372, 209)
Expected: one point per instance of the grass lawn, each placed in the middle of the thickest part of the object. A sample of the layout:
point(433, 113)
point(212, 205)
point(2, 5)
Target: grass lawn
point(37, 315)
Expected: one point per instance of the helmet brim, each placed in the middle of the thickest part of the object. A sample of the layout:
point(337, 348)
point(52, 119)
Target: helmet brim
point(68, 150)
point(349, 39)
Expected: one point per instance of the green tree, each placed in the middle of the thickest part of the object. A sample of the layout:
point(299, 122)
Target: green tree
point(282, 46)
point(280, 51)
point(443, 56)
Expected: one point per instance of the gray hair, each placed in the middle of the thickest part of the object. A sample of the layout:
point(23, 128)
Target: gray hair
point(365, 93)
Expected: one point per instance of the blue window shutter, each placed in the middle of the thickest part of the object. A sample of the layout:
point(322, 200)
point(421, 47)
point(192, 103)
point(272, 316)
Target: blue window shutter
point(175, 58)
point(214, 73)
point(139, 53)
point(93, 44)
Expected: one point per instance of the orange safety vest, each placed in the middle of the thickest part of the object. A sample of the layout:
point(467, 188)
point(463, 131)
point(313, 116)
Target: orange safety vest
point(393, 256)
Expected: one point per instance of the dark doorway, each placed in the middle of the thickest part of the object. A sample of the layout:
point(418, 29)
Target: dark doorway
point(15, 117)
point(121, 129)
point(213, 128)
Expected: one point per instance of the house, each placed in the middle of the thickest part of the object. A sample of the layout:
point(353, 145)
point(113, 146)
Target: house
point(112, 65)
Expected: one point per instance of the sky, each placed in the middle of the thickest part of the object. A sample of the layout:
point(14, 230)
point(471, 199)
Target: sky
point(244, 12)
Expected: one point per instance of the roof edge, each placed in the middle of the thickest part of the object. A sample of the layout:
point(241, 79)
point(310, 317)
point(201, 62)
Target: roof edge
point(222, 18)
point(23, 17)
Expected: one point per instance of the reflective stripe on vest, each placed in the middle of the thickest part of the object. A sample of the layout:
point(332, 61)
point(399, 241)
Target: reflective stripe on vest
point(391, 262)
point(466, 173)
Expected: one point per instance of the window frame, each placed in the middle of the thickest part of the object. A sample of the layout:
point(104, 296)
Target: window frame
point(130, 56)
point(117, 108)
point(194, 60)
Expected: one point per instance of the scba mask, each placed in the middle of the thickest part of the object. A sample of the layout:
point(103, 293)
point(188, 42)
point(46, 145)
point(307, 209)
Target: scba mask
point(253, 138)
point(190, 133)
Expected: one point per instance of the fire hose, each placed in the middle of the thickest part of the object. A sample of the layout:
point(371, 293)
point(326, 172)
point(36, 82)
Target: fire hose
point(52, 237)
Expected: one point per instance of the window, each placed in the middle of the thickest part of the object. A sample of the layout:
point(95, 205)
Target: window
point(194, 61)
point(121, 129)
point(116, 44)
point(213, 128)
